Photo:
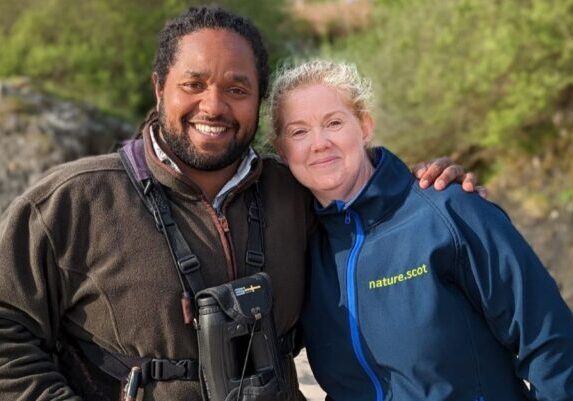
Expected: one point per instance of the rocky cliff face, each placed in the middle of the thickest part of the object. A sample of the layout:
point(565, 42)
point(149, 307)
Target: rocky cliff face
point(38, 131)
point(537, 193)
point(552, 238)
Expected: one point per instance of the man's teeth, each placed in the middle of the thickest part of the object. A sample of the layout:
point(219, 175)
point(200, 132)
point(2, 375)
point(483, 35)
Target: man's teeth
point(209, 129)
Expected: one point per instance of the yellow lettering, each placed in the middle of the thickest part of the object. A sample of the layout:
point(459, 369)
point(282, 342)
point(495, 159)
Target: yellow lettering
point(398, 278)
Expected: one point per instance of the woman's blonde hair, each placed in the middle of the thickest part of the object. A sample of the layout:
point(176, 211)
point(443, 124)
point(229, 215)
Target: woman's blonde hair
point(343, 77)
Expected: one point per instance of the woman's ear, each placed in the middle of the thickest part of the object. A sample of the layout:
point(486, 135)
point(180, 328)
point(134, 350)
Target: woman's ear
point(367, 124)
point(156, 89)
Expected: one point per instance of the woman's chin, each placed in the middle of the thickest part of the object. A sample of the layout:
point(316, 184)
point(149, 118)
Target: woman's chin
point(327, 192)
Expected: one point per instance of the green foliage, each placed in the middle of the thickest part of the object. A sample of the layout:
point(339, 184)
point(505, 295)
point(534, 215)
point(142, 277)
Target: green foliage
point(448, 74)
point(455, 73)
point(101, 51)
point(565, 197)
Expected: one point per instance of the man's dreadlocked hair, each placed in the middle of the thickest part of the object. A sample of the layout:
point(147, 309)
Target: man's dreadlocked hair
point(197, 18)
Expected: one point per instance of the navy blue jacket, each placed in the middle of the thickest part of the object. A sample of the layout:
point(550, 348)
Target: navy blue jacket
point(426, 295)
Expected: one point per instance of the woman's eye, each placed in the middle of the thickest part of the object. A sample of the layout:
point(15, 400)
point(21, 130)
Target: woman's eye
point(334, 123)
point(297, 133)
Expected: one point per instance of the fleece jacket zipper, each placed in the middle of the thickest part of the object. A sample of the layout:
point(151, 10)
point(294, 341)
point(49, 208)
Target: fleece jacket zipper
point(352, 301)
point(222, 225)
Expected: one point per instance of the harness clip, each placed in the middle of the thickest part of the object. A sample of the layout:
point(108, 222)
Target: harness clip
point(189, 264)
point(255, 258)
point(165, 369)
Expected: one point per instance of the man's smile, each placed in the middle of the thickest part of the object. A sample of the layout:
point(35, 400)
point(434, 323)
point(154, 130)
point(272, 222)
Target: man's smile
point(209, 130)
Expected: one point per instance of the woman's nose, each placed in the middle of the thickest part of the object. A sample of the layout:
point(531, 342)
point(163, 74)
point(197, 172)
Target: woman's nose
point(320, 140)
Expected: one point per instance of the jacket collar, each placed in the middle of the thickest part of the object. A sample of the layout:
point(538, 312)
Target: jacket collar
point(382, 194)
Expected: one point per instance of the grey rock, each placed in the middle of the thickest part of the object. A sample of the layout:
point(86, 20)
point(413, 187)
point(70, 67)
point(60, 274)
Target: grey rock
point(38, 131)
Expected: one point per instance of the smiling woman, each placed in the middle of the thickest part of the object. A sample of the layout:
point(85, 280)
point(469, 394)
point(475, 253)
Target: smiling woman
point(323, 142)
point(322, 128)
point(475, 317)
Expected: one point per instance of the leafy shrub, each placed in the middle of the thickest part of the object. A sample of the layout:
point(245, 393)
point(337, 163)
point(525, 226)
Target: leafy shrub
point(456, 73)
point(102, 50)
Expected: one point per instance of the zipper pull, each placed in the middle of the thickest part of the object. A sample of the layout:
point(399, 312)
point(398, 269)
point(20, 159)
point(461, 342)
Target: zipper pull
point(224, 223)
point(347, 217)
point(186, 307)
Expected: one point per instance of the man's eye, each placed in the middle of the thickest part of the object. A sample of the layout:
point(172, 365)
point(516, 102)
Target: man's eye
point(237, 91)
point(194, 86)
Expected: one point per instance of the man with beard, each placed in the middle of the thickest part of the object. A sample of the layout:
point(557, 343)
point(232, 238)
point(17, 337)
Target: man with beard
point(87, 276)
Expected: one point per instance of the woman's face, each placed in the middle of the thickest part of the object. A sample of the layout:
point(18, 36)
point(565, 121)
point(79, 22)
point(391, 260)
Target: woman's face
point(323, 142)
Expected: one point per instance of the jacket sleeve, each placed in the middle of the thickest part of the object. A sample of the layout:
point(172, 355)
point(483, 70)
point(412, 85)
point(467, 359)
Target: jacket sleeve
point(29, 308)
point(504, 279)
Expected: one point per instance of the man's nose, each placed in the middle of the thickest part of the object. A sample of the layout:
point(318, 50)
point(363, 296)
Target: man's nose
point(213, 103)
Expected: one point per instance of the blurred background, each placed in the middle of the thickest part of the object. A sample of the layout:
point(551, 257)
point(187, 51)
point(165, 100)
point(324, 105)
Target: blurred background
point(488, 83)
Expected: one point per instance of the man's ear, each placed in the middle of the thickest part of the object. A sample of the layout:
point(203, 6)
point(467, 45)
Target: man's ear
point(367, 124)
point(157, 90)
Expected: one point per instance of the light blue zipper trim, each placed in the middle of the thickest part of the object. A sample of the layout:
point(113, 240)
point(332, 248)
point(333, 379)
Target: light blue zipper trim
point(352, 307)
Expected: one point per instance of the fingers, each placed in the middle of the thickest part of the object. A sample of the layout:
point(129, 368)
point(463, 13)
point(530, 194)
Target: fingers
point(454, 173)
point(432, 170)
point(469, 182)
point(440, 172)
point(419, 169)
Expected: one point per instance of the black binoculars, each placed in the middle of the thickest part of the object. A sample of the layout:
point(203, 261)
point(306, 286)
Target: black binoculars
point(238, 347)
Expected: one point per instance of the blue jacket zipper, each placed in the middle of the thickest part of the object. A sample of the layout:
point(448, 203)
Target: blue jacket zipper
point(352, 306)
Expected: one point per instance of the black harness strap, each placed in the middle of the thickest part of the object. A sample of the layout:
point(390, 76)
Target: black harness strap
point(185, 260)
point(156, 202)
point(152, 369)
point(255, 256)
point(156, 369)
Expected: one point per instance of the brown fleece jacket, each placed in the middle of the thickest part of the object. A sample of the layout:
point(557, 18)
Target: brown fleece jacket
point(80, 257)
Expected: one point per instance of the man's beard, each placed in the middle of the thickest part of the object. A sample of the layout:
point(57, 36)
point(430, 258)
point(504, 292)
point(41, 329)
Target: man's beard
point(183, 148)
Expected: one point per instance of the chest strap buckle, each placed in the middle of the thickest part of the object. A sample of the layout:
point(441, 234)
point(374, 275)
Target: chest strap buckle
point(166, 369)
